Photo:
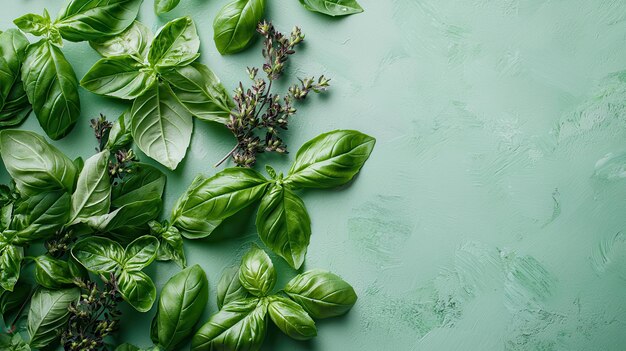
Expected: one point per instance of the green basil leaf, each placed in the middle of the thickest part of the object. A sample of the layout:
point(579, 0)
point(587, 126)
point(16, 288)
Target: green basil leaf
point(284, 225)
point(33, 24)
point(13, 342)
point(127, 347)
point(256, 272)
point(99, 255)
point(291, 318)
point(240, 325)
point(119, 135)
point(333, 7)
point(164, 6)
point(52, 273)
point(322, 294)
point(93, 189)
point(10, 264)
point(137, 289)
point(52, 88)
point(126, 222)
point(201, 92)
point(235, 25)
point(161, 126)
point(40, 216)
point(14, 105)
point(13, 46)
point(119, 77)
point(134, 41)
point(11, 301)
point(181, 304)
point(35, 165)
point(6, 80)
point(171, 243)
point(330, 159)
point(82, 20)
point(140, 253)
point(48, 314)
point(177, 43)
point(143, 181)
point(209, 201)
point(229, 287)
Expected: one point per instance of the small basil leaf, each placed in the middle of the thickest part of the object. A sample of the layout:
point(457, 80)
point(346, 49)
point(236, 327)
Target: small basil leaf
point(10, 264)
point(93, 189)
point(48, 314)
point(119, 135)
point(119, 77)
point(134, 41)
point(161, 126)
point(164, 6)
point(99, 255)
point(177, 43)
point(257, 273)
point(330, 159)
point(33, 24)
point(284, 225)
point(52, 273)
point(140, 253)
point(52, 88)
point(11, 301)
point(229, 287)
point(13, 342)
point(137, 289)
point(143, 181)
point(82, 20)
point(181, 304)
point(40, 216)
point(235, 25)
point(201, 92)
point(322, 294)
point(291, 318)
point(209, 201)
point(240, 325)
point(333, 7)
point(35, 165)
point(171, 243)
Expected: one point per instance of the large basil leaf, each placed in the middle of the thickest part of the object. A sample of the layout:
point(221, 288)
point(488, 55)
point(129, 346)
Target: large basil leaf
point(256, 273)
point(209, 201)
point(35, 165)
point(52, 273)
point(48, 314)
point(99, 255)
point(177, 43)
point(93, 189)
point(291, 318)
point(119, 77)
point(134, 41)
point(164, 6)
point(14, 106)
point(13, 48)
point(52, 88)
point(240, 325)
point(322, 294)
point(171, 243)
point(330, 159)
point(140, 253)
point(333, 7)
point(6, 79)
point(229, 287)
point(201, 92)
point(284, 225)
point(161, 126)
point(40, 216)
point(137, 289)
point(181, 304)
point(84, 20)
point(10, 264)
point(235, 25)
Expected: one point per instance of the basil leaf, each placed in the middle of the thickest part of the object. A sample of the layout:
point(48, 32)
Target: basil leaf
point(137, 289)
point(134, 41)
point(35, 165)
point(201, 92)
point(240, 326)
point(93, 189)
point(127, 347)
point(140, 253)
point(235, 25)
point(99, 255)
point(82, 20)
point(119, 135)
point(257, 273)
point(171, 243)
point(330, 159)
point(284, 225)
point(164, 6)
point(14, 105)
point(322, 294)
point(141, 183)
point(229, 287)
point(181, 304)
point(291, 318)
point(13, 343)
point(10, 264)
point(161, 126)
point(48, 314)
point(11, 301)
point(119, 77)
point(52, 273)
point(177, 43)
point(52, 88)
point(209, 201)
point(40, 216)
point(33, 24)
point(333, 7)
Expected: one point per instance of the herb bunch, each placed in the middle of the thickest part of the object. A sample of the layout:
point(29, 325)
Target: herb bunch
point(260, 114)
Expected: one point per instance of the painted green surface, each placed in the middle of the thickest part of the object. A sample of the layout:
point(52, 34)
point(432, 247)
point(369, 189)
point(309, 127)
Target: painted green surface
point(491, 214)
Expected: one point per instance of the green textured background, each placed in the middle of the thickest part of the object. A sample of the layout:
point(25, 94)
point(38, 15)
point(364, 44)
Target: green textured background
point(491, 212)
